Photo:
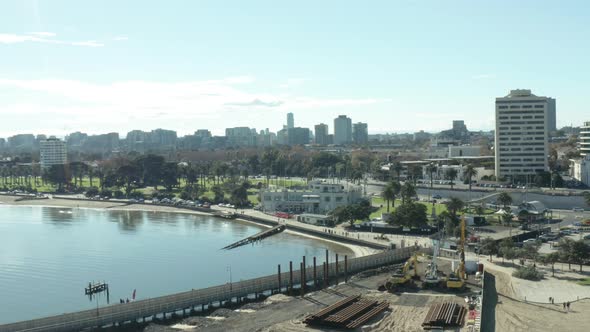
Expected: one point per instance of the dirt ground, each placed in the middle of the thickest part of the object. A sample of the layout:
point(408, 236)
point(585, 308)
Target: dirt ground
point(513, 316)
point(283, 313)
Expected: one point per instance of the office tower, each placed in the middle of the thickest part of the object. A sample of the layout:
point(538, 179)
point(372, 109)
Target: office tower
point(360, 133)
point(321, 134)
point(342, 130)
point(290, 121)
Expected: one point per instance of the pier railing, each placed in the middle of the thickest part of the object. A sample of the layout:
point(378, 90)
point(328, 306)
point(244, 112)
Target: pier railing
point(190, 299)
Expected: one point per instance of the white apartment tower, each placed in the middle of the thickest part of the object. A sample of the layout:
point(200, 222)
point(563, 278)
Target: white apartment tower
point(523, 123)
point(53, 152)
point(585, 139)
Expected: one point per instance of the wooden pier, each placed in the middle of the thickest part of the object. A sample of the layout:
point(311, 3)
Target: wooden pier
point(256, 237)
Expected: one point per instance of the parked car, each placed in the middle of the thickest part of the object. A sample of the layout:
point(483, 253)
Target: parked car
point(578, 209)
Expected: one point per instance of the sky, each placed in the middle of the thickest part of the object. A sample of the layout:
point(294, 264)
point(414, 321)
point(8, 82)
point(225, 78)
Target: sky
point(401, 66)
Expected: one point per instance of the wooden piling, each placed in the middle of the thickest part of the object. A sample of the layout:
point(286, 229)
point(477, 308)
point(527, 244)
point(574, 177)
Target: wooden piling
point(315, 276)
point(302, 279)
point(279, 275)
point(345, 268)
point(290, 277)
point(336, 269)
point(325, 275)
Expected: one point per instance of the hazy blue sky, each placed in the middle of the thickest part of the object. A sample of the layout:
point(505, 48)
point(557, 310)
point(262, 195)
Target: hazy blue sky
point(101, 66)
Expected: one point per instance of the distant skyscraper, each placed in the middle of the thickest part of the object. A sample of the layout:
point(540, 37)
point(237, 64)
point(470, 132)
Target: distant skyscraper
point(360, 133)
point(321, 134)
point(298, 136)
point(523, 123)
point(52, 152)
point(290, 121)
point(342, 130)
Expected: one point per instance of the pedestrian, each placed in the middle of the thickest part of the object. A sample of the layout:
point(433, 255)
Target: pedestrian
point(568, 306)
point(549, 299)
point(563, 305)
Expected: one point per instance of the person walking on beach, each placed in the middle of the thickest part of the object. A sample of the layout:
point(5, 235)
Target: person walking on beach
point(568, 306)
point(563, 305)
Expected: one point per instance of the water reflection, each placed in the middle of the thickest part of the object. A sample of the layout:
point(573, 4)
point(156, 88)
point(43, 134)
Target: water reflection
point(155, 253)
point(58, 216)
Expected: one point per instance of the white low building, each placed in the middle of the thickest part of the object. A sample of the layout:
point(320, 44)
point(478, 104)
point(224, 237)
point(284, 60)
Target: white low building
point(580, 169)
point(320, 197)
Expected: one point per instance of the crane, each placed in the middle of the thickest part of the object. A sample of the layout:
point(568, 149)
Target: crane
point(456, 278)
point(431, 278)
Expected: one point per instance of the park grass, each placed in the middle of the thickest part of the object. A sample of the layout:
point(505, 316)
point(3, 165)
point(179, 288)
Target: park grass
point(381, 205)
point(584, 282)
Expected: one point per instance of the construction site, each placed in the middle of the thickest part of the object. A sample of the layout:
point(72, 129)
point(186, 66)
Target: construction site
point(424, 293)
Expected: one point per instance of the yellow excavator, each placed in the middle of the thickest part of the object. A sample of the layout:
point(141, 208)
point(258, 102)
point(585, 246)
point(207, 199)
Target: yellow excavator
point(402, 276)
point(456, 279)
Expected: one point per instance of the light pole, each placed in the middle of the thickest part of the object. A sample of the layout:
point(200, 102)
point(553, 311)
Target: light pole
point(230, 281)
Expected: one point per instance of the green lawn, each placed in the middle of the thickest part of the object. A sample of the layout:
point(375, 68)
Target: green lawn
point(380, 202)
point(584, 282)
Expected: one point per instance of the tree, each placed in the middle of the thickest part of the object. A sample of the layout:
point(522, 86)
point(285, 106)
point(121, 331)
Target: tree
point(454, 205)
point(488, 246)
point(397, 168)
point(239, 195)
point(410, 214)
point(218, 193)
point(128, 176)
point(451, 175)
point(169, 175)
point(580, 252)
point(390, 192)
point(505, 200)
point(507, 218)
point(587, 198)
point(506, 249)
point(431, 169)
point(565, 251)
point(407, 192)
point(58, 175)
point(470, 172)
point(551, 259)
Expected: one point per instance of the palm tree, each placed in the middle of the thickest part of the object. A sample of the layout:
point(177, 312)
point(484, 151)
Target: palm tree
point(470, 172)
point(454, 205)
point(390, 192)
point(397, 168)
point(431, 169)
point(407, 192)
point(451, 174)
point(505, 200)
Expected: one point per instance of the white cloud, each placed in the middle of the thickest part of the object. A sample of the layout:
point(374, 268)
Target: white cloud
point(146, 103)
point(483, 76)
point(120, 38)
point(43, 34)
point(45, 38)
point(293, 83)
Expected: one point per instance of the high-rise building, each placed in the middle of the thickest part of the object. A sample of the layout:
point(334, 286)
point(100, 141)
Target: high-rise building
point(298, 136)
point(290, 121)
point(321, 134)
point(342, 130)
point(585, 139)
point(523, 123)
point(241, 137)
point(360, 133)
point(53, 152)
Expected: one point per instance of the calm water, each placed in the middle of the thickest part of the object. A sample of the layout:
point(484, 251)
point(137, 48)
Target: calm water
point(48, 256)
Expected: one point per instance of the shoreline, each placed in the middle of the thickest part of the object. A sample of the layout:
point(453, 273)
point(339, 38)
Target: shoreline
point(357, 250)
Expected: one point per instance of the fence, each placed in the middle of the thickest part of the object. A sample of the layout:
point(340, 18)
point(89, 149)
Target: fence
point(190, 299)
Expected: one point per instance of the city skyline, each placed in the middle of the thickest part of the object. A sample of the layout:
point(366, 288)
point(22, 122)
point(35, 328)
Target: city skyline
point(205, 65)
